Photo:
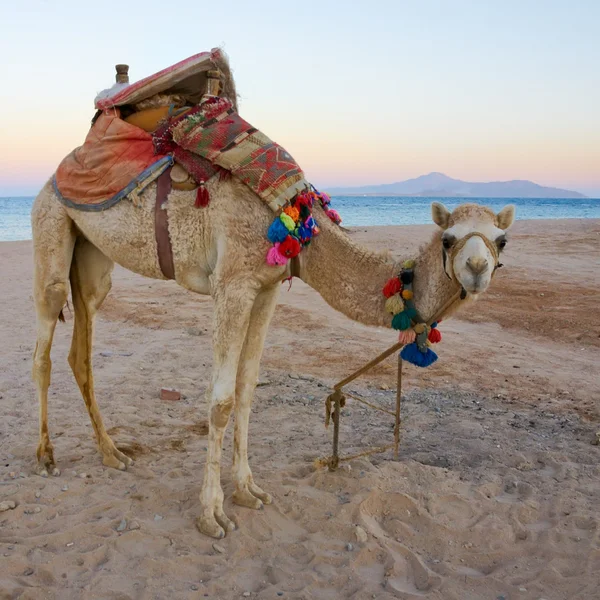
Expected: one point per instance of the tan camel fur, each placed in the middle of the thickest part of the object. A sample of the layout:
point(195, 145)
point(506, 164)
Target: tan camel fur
point(220, 250)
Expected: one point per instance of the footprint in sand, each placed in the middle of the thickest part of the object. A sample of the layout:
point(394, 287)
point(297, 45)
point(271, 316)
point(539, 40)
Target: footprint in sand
point(405, 573)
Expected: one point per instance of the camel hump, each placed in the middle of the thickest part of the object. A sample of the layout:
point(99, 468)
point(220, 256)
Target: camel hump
point(203, 73)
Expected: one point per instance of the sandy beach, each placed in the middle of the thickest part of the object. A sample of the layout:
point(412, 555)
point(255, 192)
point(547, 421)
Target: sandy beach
point(496, 494)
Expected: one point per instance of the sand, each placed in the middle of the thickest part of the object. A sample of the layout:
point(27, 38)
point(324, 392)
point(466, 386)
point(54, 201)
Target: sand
point(496, 493)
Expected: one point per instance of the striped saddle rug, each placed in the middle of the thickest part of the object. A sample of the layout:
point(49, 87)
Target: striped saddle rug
point(119, 159)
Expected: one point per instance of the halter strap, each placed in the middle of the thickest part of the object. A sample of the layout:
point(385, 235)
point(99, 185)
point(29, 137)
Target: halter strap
point(453, 252)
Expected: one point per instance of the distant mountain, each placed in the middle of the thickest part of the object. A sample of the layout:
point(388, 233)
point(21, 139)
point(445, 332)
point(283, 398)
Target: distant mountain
point(438, 184)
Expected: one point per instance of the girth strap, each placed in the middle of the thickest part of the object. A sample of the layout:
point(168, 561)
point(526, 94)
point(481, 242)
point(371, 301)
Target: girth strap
point(161, 225)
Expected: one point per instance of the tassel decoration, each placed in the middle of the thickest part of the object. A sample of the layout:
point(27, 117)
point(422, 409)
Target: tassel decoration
point(394, 304)
point(406, 277)
point(401, 321)
point(408, 336)
point(293, 213)
point(287, 221)
point(274, 257)
point(434, 336)
point(290, 247)
point(202, 196)
point(277, 231)
point(393, 286)
point(417, 357)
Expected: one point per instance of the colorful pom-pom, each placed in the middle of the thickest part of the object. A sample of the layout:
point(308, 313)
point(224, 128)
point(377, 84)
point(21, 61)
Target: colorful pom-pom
point(287, 221)
point(407, 294)
point(420, 328)
point(407, 336)
point(274, 257)
point(310, 223)
point(293, 213)
point(394, 304)
point(290, 247)
point(409, 264)
point(434, 325)
point(304, 212)
point(406, 277)
point(435, 335)
point(334, 215)
point(413, 355)
point(304, 199)
point(304, 233)
point(393, 286)
point(401, 321)
point(277, 231)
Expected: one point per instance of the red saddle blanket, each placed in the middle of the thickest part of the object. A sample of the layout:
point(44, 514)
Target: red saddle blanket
point(116, 160)
point(119, 160)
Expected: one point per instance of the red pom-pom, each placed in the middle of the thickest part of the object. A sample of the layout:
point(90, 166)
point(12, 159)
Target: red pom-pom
point(303, 200)
point(290, 247)
point(393, 286)
point(434, 336)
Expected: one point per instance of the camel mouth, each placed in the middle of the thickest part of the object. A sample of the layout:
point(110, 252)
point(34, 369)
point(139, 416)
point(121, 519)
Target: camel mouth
point(476, 287)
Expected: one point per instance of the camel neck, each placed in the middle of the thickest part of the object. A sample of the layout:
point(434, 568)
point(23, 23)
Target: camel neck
point(350, 277)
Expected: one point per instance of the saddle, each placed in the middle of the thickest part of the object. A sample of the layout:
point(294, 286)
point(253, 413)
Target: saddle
point(179, 127)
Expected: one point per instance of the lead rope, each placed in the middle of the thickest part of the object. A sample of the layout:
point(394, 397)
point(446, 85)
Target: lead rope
point(337, 400)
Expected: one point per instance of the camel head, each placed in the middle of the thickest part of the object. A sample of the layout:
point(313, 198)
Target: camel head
point(473, 238)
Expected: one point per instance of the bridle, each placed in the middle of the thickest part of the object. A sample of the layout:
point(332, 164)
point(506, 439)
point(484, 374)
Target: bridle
point(452, 253)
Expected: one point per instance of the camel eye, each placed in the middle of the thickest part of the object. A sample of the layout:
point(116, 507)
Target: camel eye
point(502, 243)
point(446, 243)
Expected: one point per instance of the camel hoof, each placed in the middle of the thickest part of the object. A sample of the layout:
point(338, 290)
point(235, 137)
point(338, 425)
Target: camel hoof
point(116, 460)
point(215, 525)
point(225, 522)
point(208, 526)
point(46, 465)
point(247, 499)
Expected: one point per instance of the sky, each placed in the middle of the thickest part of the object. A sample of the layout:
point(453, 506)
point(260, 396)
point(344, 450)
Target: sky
point(364, 93)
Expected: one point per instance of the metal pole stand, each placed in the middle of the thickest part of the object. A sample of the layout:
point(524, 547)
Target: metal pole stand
point(337, 401)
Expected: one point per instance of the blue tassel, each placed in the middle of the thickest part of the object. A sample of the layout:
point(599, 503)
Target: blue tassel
point(411, 353)
point(401, 321)
point(277, 231)
point(434, 325)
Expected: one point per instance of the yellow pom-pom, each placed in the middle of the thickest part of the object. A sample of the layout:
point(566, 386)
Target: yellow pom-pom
point(394, 304)
point(293, 213)
point(408, 264)
point(420, 328)
point(407, 294)
point(287, 221)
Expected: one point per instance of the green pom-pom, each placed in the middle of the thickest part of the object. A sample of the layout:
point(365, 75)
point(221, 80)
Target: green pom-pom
point(401, 321)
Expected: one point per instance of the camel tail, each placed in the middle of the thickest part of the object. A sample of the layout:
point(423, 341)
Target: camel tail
point(61, 314)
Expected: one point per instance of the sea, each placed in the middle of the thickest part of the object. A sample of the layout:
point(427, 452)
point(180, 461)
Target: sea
point(360, 211)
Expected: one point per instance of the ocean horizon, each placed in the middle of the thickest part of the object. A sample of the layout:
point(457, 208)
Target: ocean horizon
point(360, 211)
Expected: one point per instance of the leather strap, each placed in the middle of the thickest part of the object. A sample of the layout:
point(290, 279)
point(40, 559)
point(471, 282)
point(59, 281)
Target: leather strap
point(161, 225)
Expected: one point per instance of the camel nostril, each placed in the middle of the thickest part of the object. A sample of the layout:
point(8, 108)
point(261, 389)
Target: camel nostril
point(477, 265)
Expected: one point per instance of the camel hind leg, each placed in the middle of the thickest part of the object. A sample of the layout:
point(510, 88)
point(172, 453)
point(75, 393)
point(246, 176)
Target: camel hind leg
point(90, 283)
point(53, 242)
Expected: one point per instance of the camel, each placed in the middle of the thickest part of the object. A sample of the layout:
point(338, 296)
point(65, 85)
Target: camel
point(220, 250)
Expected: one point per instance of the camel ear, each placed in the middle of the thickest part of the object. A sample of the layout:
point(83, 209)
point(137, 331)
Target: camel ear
point(440, 214)
point(506, 217)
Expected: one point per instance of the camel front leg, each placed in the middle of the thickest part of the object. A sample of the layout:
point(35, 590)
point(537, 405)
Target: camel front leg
point(247, 493)
point(233, 305)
